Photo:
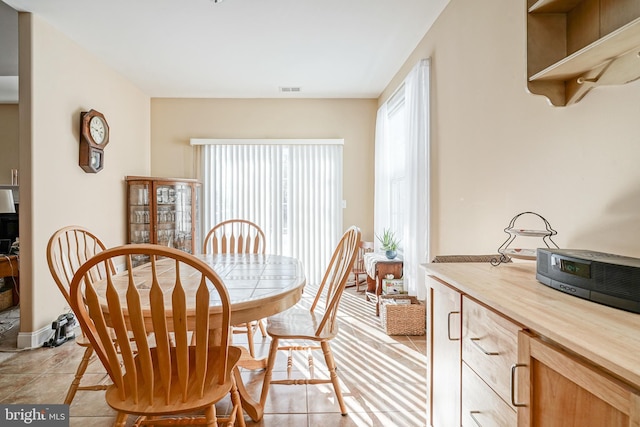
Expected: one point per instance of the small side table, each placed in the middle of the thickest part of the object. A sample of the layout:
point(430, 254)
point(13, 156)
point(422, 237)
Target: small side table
point(378, 266)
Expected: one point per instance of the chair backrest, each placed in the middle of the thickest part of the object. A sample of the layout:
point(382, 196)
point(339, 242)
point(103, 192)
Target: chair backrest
point(165, 300)
point(67, 250)
point(363, 248)
point(335, 277)
point(235, 236)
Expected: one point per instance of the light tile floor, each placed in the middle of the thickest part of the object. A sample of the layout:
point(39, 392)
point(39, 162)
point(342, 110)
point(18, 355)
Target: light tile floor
point(382, 377)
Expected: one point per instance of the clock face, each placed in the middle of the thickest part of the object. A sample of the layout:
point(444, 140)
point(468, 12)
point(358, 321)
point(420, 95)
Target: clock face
point(97, 129)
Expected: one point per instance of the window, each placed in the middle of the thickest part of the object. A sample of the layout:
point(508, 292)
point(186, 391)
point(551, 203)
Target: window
point(396, 169)
point(291, 188)
point(402, 172)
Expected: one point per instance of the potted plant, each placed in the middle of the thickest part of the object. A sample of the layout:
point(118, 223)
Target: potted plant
point(389, 243)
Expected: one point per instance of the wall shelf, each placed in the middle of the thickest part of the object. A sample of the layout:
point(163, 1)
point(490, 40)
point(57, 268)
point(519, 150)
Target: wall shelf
point(596, 54)
point(553, 6)
point(574, 46)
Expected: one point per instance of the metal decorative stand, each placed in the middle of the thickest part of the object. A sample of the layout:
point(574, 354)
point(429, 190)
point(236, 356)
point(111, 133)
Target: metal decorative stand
point(506, 254)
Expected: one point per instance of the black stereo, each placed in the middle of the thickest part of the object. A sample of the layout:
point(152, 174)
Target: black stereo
point(608, 279)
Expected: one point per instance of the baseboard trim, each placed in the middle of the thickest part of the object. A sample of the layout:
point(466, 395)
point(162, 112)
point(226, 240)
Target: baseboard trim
point(30, 340)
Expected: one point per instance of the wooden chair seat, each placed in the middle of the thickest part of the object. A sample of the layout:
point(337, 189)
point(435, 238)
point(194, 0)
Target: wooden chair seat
point(299, 323)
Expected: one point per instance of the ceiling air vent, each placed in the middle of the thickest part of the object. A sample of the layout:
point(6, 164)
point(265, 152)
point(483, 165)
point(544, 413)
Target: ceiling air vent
point(289, 89)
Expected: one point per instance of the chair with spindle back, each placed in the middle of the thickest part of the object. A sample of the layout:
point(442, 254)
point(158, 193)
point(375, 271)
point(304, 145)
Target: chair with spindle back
point(306, 325)
point(358, 266)
point(238, 236)
point(67, 250)
point(235, 236)
point(175, 370)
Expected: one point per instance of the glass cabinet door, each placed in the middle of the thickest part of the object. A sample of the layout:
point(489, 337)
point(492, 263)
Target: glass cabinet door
point(139, 213)
point(174, 216)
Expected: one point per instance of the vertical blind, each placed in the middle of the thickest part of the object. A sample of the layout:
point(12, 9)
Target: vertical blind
point(291, 189)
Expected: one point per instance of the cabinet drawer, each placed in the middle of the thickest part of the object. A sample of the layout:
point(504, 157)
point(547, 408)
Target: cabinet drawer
point(489, 346)
point(481, 406)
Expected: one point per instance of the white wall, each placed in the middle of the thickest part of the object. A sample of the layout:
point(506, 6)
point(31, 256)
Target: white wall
point(498, 150)
point(58, 80)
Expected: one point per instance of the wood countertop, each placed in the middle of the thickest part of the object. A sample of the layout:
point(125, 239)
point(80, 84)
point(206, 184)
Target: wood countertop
point(606, 336)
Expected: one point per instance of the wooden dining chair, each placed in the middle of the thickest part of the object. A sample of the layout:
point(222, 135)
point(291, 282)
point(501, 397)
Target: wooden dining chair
point(308, 325)
point(358, 266)
point(175, 370)
point(67, 250)
point(238, 236)
point(235, 236)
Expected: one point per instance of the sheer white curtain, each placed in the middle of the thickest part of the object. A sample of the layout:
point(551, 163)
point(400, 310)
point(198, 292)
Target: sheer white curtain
point(291, 188)
point(405, 147)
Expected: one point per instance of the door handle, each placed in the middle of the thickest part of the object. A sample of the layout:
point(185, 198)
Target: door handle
point(513, 384)
point(472, 414)
point(449, 326)
point(474, 341)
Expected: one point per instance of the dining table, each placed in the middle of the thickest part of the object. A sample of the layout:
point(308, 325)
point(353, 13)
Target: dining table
point(259, 285)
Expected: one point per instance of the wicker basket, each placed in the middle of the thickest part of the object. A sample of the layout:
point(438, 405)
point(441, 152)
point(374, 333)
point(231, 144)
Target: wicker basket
point(6, 298)
point(402, 319)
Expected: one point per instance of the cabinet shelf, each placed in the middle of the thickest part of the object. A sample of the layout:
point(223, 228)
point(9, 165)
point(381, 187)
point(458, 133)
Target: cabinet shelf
point(574, 46)
point(553, 6)
point(613, 45)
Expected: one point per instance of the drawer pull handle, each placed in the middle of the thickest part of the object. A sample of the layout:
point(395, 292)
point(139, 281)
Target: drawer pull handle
point(513, 384)
point(472, 414)
point(449, 326)
point(474, 341)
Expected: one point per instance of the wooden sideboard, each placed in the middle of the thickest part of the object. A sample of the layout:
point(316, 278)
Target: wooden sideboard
point(505, 350)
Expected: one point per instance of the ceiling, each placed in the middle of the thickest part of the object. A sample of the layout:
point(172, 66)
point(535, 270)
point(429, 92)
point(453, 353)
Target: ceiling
point(237, 48)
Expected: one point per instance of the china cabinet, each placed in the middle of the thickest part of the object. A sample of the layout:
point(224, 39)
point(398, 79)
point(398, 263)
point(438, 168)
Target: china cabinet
point(163, 211)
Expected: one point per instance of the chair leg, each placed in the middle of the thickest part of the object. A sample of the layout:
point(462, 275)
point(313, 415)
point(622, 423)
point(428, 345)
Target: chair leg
point(82, 367)
point(331, 364)
point(356, 277)
point(266, 383)
point(121, 420)
point(237, 404)
point(250, 339)
point(210, 415)
point(262, 328)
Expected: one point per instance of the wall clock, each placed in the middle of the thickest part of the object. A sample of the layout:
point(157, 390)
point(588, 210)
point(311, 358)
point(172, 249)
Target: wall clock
point(94, 136)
